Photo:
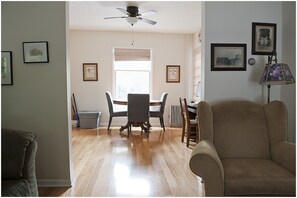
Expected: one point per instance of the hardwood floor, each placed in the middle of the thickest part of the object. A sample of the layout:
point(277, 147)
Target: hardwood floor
point(109, 165)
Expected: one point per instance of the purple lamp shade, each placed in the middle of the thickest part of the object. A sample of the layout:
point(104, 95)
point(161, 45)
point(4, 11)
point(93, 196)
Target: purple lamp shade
point(277, 74)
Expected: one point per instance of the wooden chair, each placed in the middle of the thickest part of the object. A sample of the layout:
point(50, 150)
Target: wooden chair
point(139, 112)
point(159, 114)
point(190, 127)
point(113, 113)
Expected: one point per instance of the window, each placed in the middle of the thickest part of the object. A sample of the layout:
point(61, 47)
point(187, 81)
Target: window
point(132, 72)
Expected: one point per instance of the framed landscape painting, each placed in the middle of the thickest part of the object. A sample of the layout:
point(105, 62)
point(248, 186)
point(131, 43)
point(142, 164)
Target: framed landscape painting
point(35, 52)
point(228, 57)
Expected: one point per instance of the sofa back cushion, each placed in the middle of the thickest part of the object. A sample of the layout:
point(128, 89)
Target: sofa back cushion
point(14, 145)
point(240, 130)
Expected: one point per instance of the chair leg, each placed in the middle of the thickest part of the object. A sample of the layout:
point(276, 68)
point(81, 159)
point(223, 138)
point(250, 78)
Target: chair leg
point(129, 130)
point(162, 123)
point(197, 135)
point(148, 130)
point(183, 133)
point(188, 138)
point(110, 119)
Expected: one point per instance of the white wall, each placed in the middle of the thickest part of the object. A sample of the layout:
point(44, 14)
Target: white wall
point(288, 92)
point(37, 101)
point(196, 65)
point(96, 47)
point(231, 22)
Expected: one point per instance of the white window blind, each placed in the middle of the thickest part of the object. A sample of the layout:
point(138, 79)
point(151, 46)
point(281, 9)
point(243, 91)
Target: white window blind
point(121, 54)
point(132, 71)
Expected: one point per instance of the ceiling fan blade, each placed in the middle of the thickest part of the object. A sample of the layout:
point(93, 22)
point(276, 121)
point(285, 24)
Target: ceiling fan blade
point(148, 13)
point(121, 17)
point(123, 11)
point(147, 21)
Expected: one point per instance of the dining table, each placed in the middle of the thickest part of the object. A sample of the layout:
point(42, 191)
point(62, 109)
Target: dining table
point(125, 102)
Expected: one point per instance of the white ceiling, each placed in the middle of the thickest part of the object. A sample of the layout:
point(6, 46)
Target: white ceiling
point(171, 17)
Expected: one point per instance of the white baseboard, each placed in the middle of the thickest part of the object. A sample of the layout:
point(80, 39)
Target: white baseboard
point(54, 183)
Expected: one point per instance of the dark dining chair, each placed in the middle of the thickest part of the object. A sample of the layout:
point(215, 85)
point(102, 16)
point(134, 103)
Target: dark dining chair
point(190, 128)
point(139, 112)
point(159, 114)
point(113, 113)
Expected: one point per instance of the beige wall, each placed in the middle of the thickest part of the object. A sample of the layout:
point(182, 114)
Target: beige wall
point(38, 99)
point(96, 47)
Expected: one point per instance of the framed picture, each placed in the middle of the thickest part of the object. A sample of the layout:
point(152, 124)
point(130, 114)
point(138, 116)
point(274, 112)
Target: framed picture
point(90, 71)
point(173, 73)
point(35, 52)
point(6, 68)
point(263, 38)
point(228, 57)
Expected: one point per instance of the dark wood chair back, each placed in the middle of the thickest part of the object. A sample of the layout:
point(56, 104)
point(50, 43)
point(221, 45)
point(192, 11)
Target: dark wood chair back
point(190, 127)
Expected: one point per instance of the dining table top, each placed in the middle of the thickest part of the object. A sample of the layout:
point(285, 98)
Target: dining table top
point(125, 102)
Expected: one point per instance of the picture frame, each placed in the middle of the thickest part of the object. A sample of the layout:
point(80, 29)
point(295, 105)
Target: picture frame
point(35, 52)
point(173, 73)
point(263, 38)
point(90, 72)
point(6, 68)
point(228, 57)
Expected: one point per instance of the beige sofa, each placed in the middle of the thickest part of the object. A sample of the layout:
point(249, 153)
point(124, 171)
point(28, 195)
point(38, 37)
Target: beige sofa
point(244, 150)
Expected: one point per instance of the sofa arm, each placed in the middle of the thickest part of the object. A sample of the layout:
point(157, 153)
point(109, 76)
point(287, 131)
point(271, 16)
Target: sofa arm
point(284, 153)
point(29, 167)
point(18, 157)
point(206, 163)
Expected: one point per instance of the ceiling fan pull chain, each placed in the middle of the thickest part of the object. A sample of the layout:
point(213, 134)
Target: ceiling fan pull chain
point(132, 38)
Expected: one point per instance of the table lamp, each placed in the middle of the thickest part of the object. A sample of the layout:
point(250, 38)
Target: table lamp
point(276, 74)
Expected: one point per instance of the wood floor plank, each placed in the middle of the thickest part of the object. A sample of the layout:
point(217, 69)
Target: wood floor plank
point(107, 163)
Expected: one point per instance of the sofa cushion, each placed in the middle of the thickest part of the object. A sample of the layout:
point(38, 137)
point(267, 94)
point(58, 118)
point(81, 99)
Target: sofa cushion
point(15, 188)
point(13, 149)
point(257, 177)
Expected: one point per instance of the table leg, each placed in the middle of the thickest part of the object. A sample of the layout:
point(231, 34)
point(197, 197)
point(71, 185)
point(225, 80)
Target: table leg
point(124, 127)
point(145, 126)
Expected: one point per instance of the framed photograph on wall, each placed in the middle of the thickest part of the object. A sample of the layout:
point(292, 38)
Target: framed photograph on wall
point(263, 38)
point(35, 52)
point(173, 73)
point(90, 72)
point(228, 57)
point(6, 68)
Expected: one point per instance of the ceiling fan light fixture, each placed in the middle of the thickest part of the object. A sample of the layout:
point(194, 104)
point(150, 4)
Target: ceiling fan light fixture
point(132, 20)
point(133, 15)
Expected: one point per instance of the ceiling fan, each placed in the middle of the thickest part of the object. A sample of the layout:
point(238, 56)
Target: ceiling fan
point(133, 15)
